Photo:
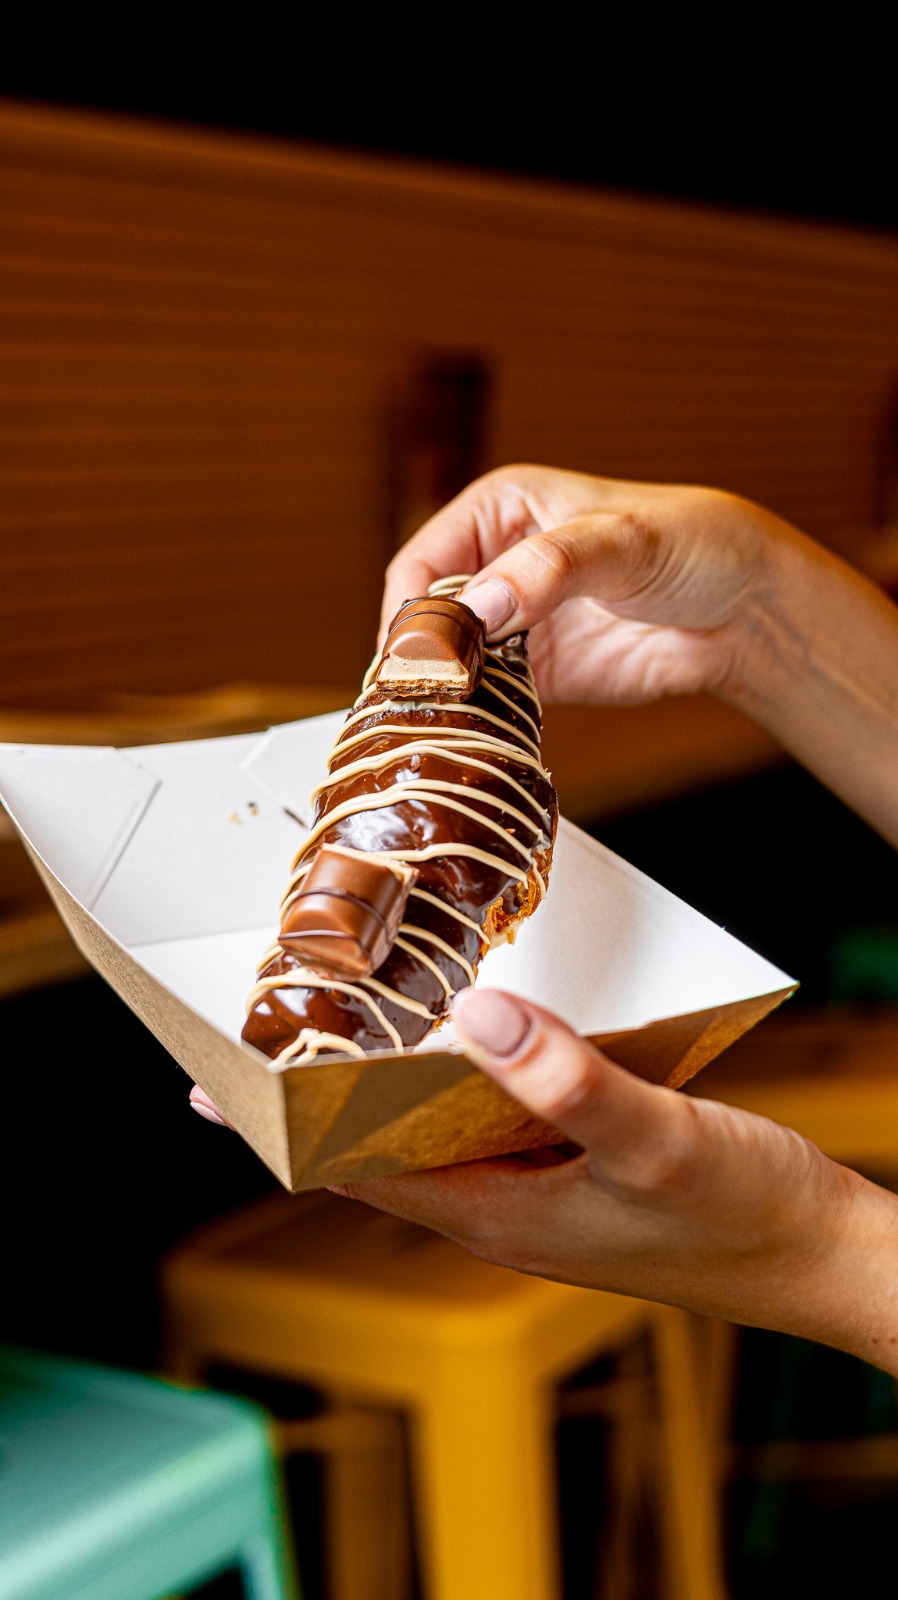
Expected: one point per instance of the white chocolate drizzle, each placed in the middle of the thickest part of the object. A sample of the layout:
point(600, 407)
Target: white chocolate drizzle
point(312, 1042)
point(460, 739)
point(426, 961)
point(494, 670)
point(302, 978)
point(403, 1001)
point(443, 905)
point(447, 588)
point(411, 929)
point(476, 750)
point(455, 709)
point(428, 789)
point(491, 689)
point(432, 747)
point(432, 852)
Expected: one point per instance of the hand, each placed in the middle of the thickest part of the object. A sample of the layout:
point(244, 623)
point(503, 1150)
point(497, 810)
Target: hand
point(631, 590)
point(670, 1197)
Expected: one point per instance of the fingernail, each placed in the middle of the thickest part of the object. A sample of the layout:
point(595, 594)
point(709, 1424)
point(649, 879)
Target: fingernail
point(493, 1020)
point(201, 1103)
point(492, 600)
point(208, 1113)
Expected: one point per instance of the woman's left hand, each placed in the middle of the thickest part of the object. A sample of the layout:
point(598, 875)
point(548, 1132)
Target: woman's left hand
point(665, 1196)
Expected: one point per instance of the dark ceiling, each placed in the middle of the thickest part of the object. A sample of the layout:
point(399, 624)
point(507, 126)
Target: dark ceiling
point(809, 134)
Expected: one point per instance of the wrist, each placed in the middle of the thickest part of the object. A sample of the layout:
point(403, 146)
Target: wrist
point(815, 662)
point(854, 1305)
point(777, 646)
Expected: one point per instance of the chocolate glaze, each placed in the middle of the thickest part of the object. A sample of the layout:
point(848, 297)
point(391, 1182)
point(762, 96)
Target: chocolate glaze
point(436, 952)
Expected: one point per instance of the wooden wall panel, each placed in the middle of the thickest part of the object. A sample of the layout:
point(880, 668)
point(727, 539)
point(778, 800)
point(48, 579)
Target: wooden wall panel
point(202, 339)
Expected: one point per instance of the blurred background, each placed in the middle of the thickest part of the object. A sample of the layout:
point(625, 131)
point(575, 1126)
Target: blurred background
point(250, 340)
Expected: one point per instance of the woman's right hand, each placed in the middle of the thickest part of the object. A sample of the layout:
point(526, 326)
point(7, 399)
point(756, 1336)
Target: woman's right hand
point(634, 591)
point(631, 591)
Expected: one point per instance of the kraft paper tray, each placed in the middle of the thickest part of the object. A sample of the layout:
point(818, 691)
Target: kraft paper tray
point(167, 863)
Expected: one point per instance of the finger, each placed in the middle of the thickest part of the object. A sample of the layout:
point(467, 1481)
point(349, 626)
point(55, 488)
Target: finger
point(201, 1103)
point(459, 1201)
point(610, 555)
point(624, 1124)
point(489, 514)
point(411, 573)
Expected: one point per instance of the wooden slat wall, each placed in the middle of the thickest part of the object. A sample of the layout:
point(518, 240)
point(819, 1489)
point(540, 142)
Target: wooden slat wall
point(201, 338)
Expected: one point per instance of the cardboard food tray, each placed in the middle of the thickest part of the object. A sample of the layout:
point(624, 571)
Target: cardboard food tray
point(168, 862)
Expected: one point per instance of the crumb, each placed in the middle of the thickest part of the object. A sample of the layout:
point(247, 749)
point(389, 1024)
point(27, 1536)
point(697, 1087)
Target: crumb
point(252, 807)
point(233, 817)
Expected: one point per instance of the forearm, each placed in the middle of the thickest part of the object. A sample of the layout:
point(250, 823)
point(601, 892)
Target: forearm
point(820, 671)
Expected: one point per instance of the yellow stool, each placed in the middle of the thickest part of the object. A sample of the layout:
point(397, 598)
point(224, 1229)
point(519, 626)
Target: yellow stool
point(364, 1307)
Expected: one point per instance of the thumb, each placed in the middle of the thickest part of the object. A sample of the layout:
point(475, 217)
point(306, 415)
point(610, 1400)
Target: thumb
point(603, 555)
point(564, 1080)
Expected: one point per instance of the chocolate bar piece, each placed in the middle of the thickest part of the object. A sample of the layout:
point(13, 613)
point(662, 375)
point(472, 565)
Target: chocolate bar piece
point(346, 915)
point(433, 644)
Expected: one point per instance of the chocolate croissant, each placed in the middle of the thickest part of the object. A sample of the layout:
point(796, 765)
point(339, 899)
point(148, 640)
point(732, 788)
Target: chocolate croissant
point(431, 842)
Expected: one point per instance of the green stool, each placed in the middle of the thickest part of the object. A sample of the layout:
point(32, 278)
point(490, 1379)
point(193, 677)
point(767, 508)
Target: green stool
point(115, 1486)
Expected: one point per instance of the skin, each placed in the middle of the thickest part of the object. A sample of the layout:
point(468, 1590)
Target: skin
point(633, 592)
point(636, 591)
